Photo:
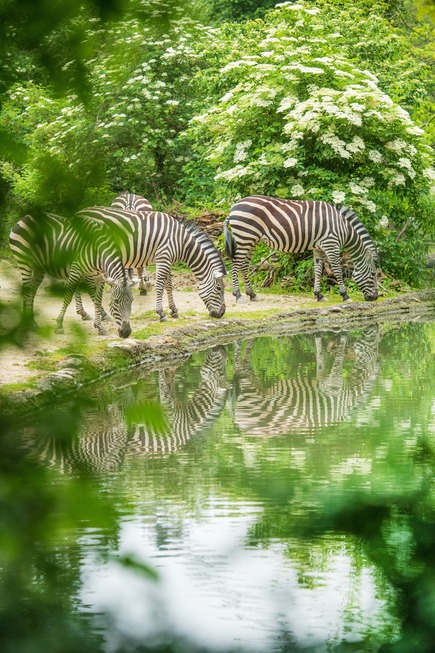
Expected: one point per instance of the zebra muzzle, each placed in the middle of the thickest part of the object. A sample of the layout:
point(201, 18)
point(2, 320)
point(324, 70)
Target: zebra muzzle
point(124, 330)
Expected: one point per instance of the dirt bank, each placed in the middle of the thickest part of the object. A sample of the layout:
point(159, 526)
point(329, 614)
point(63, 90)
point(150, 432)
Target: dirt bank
point(20, 364)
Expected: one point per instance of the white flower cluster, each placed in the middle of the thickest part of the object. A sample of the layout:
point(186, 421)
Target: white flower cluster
point(338, 196)
point(234, 173)
point(384, 222)
point(240, 153)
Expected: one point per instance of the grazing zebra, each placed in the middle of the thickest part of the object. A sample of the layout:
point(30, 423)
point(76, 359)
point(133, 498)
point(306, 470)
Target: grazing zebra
point(296, 226)
point(346, 369)
point(159, 238)
point(80, 252)
point(132, 202)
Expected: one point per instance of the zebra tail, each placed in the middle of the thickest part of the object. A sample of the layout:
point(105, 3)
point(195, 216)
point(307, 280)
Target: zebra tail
point(230, 243)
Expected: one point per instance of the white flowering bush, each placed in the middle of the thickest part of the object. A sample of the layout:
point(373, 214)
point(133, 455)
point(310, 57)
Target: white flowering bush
point(299, 119)
point(124, 133)
point(288, 105)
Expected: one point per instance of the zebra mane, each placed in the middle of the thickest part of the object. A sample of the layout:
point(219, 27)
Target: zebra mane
point(206, 243)
point(351, 217)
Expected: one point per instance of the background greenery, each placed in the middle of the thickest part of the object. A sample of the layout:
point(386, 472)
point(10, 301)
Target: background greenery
point(195, 104)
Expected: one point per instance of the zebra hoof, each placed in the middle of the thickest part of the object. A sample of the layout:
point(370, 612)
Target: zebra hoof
point(59, 331)
point(86, 317)
point(175, 314)
point(348, 300)
point(163, 318)
point(240, 299)
point(143, 291)
point(253, 298)
point(106, 318)
point(322, 299)
point(103, 332)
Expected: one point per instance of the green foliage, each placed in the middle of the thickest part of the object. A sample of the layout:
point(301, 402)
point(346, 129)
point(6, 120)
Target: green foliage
point(312, 101)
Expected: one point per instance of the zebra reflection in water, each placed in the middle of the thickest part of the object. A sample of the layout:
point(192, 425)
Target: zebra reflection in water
point(306, 401)
point(107, 438)
point(185, 419)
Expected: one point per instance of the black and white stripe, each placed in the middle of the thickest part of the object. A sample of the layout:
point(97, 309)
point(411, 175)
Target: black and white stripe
point(156, 237)
point(80, 252)
point(297, 226)
point(138, 204)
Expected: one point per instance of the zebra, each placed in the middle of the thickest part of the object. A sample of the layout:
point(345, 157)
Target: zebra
point(79, 252)
point(132, 202)
point(309, 399)
point(297, 226)
point(159, 238)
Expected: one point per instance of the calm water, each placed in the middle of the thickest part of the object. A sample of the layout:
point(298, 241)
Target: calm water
point(273, 484)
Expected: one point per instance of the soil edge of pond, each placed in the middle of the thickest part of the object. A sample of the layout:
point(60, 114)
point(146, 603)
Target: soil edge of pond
point(75, 371)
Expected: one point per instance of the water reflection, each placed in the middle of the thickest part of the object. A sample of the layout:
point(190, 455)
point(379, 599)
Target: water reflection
point(303, 384)
point(307, 396)
point(240, 525)
point(111, 429)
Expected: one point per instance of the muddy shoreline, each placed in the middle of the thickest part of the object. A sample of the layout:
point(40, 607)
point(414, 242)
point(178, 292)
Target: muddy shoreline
point(75, 372)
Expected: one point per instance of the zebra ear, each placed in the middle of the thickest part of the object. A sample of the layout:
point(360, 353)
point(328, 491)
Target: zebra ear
point(217, 275)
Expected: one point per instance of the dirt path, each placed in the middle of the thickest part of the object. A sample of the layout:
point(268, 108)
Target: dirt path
point(22, 364)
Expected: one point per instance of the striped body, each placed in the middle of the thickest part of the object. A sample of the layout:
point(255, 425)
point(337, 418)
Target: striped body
point(78, 253)
point(138, 204)
point(156, 237)
point(296, 226)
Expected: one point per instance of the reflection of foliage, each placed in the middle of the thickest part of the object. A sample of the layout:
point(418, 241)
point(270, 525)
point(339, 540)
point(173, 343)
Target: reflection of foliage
point(324, 496)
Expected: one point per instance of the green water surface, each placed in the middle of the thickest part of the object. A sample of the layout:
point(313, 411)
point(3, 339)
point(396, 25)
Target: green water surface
point(275, 494)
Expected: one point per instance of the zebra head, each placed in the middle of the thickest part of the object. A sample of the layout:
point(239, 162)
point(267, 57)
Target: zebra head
point(365, 275)
point(211, 291)
point(120, 304)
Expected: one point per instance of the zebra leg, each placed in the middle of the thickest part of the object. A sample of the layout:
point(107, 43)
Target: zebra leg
point(162, 271)
point(73, 282)
point(91, 289)
point(31, 280)
point(98, 304)
point(169, 292)
point(143, 278)
point(79, 307)
point(241, 262)
point(319, 258)
point(334, 260)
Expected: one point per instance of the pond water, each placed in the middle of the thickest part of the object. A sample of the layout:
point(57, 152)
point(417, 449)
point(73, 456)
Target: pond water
point(275, 494)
